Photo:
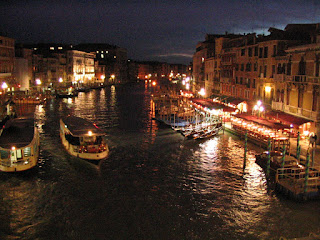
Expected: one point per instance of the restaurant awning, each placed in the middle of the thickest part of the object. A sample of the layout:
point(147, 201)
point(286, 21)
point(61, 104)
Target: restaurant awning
point(213, 105)
point(286, 118)
point(267, 123)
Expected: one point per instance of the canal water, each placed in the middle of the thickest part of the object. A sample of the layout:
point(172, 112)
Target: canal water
point(154, 185)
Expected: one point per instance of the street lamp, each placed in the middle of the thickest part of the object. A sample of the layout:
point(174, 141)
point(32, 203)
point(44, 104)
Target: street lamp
point(60, 80)
point(202, 92)
point(258, 108)
point(4, 85)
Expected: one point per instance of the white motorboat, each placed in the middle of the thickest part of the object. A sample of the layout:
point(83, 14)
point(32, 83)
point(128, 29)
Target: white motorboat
point(83, 139)
point(19, 145)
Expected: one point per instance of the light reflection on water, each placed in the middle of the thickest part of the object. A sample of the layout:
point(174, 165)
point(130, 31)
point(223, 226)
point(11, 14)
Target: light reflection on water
point(154, 185)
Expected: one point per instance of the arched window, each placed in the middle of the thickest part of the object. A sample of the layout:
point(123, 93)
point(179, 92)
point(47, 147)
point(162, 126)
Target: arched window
point(278, 95)
point(288, 96)
point(289, 67)
point(282, 96)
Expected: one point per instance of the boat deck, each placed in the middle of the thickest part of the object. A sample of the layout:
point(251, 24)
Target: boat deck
point(80, 127)
point(18, 132)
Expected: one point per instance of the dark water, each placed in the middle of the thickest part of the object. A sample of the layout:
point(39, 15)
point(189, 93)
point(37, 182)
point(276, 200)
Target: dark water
point(154, 185)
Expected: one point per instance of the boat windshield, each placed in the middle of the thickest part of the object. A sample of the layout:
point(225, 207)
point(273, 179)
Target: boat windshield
point(91, 140)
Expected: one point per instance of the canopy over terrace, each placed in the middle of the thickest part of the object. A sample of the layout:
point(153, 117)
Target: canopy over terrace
point(209, 104)
point(267, 123)
point(261, 130)
point(286, 118)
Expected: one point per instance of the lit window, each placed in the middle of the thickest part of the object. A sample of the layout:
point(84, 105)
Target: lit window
point(107, 51)
point(27, 152)
point(51, 48)
point(35, 48)
point(115, 57)
point(97, 51)
point(102, 56)
point(60, 48)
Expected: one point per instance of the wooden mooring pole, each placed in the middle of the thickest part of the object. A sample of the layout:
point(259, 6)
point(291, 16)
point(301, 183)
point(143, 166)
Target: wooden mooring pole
point(283, 158)
point(307, 173)
point(269, 158)
point(298, 147)
point(245, 150)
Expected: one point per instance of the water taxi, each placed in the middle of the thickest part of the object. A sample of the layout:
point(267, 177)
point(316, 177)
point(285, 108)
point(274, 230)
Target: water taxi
point(83, 139)
point(19, 145)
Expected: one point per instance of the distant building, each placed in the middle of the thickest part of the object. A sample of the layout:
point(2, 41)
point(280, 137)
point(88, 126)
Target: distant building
point(23, 71)
point(80, 68)
point(49, 65)
point(112, 61)
point(7, 80)
point(152, 70)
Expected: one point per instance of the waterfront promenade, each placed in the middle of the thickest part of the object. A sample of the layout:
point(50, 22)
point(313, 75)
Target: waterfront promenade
point(304, 146)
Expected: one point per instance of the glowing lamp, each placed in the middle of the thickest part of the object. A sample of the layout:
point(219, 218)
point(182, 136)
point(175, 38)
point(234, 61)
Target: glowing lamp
point(4, 85)
point(268, 89)
point(202, 92)
point(90, 133)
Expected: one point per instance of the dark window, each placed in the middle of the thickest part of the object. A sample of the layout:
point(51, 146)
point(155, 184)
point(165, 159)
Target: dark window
point(273, 70)
point(243, 51)
point(248, 67)
point(300, 98)
point(265, 71)
point(284, 66)
point(4, 154)
point(254, 83)
point(255, 51)
point(279, 69)
point(250, 52)
point(255, 67)
point(237, 67)
point(289, 68)
point(302, 67)
point(248, 82)
point(242, 67)
point(265, 52)
point(260, 52)
point(315, 98)
point(274, 50)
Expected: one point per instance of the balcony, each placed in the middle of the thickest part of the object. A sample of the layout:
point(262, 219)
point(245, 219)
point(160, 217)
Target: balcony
point(313, 79)
point(2, 75)
point(297, 78)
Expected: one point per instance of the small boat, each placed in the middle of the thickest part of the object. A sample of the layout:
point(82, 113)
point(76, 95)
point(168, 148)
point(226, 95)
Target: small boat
point(83, 139)
point(276, 160)
point(19, 145)
point(68, 92)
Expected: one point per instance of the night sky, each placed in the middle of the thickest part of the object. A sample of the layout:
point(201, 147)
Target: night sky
point(150, 30)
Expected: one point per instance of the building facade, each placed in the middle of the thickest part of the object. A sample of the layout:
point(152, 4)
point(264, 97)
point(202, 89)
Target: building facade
point(80, 68)
point(7, 81)
point(111, 61)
